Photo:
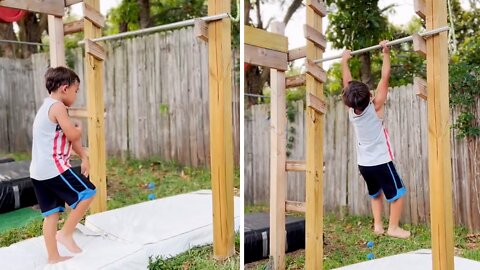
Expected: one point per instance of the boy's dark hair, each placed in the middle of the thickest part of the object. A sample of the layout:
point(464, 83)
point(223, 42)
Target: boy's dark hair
point(356, 95)
point(56, 77)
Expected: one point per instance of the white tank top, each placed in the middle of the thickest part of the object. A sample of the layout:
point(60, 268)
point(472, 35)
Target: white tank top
point(51, 149)
point(373, 143)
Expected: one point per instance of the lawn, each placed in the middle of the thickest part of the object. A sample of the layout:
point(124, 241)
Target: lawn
point(346, 242)
point(127, 183)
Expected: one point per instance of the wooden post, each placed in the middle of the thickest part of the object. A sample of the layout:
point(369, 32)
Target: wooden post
point(95, 108)
point(314, 155)
point(278, 175)
point(221, 141)
point(55, 35)
point(439, 152)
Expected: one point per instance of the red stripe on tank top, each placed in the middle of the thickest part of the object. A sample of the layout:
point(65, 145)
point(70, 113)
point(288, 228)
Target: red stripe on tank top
point(387, 138)
point(55, 156)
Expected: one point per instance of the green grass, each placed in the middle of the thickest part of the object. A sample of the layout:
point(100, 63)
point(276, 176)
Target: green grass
point(17, 156)
point(346, 239)
point(127, 183)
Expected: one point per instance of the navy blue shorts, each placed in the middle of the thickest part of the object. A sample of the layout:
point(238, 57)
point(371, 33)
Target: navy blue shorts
point(383, 177)
point(68, 187)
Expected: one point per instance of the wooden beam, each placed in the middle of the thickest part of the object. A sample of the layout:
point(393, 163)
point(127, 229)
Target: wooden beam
point(94, 49)
point(263, 39)
point(420, 87)
point(295, 166)
point(200, 29)
point(72, 2)
point(265, 57)
point(278, 156)
point(76, 112)
point(316, 71)
point(295, 81)
point(295, 206)
point(221, 142)
point(73, 27)
point(316, 103)
point(93, 15)
point(420, 8)
point(51, 7)
point(439, 142)
point(314, 153)
point(419, 45)
point(296, 53)
point(318, 6)
point(57, 47)
point(96, 107)
point(315, 36)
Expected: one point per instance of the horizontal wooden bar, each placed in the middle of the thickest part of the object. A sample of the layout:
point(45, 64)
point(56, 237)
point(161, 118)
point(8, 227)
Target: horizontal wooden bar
point(420, 86)
point(51, 7)
point(263, 39)
point(72, 2)
point(297, 53)
point(419, 45)
point(295, 166)
point(94, 49)
point(316, 103)
point(420, 8)
point(295, 206)
point(265, 57)
point(316, 71)
point(93, 15)
point(295, 81)
point(76, 112)
point(315, 36)
point(318, 6)
point(73, 27)
point(200, 29)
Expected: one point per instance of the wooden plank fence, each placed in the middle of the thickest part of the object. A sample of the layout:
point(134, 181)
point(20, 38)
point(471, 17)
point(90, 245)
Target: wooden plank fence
point(156, 98)
point(344, 188)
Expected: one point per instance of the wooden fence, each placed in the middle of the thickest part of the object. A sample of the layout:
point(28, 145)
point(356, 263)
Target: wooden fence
point(156, 98)
point(344, 188)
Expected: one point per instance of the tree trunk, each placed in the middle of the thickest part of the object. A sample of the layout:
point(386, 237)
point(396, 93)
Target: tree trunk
point(144, 13)
point(31, 29)
point(365, 70)
point(6, 32)
point(247, 6)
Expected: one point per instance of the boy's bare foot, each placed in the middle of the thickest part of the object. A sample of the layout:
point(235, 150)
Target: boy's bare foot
point(68, 242)
point(398, 233)
point(58, 259)
point(378, 229)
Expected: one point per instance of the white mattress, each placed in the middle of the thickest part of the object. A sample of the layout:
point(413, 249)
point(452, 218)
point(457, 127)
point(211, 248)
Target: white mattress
point(125, 238)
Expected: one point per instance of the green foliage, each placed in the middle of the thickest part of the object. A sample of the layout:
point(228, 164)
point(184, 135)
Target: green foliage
point(128, 13)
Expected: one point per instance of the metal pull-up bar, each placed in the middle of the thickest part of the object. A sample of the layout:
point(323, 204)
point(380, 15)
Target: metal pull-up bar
point(390, 43)
point(164, 27)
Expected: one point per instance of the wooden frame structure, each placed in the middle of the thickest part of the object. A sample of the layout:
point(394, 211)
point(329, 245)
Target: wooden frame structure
point(221, 146)
point(270, 50)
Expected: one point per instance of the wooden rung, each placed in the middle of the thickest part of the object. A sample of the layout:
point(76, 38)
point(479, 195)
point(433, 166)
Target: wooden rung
point(73, 27)
point(51, 7)
point(297, 53)
point(419, 45)
point(94, 49)
point(295, 206)
point(72, 2)
point(420, 8)
point(295, 81)
point(77, 112)
point(316, 103)
point(267, 40)
point(265, 57)
point(295, 166)
point(316, 71)
point(93, 15)
point(200, 29)
point(420, 86)
point(318, 6)
point(315, 36)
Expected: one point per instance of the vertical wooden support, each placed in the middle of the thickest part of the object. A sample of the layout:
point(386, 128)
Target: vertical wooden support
point(278, 174)
point(314, 158)
point(95, 108)
point(221, 141)
point(439, 149)
point(55, 35)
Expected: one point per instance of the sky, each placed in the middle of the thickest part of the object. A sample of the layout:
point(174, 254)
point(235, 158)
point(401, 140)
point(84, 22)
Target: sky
point(105, 6)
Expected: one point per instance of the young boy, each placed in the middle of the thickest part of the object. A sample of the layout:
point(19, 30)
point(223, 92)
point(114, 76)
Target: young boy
point(374, 154)
point(55, 183)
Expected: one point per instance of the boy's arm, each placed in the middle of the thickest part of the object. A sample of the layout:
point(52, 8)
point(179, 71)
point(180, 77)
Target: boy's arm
point(382, 88)
point(78, 148)
point(58, 112)
point(346, 75)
